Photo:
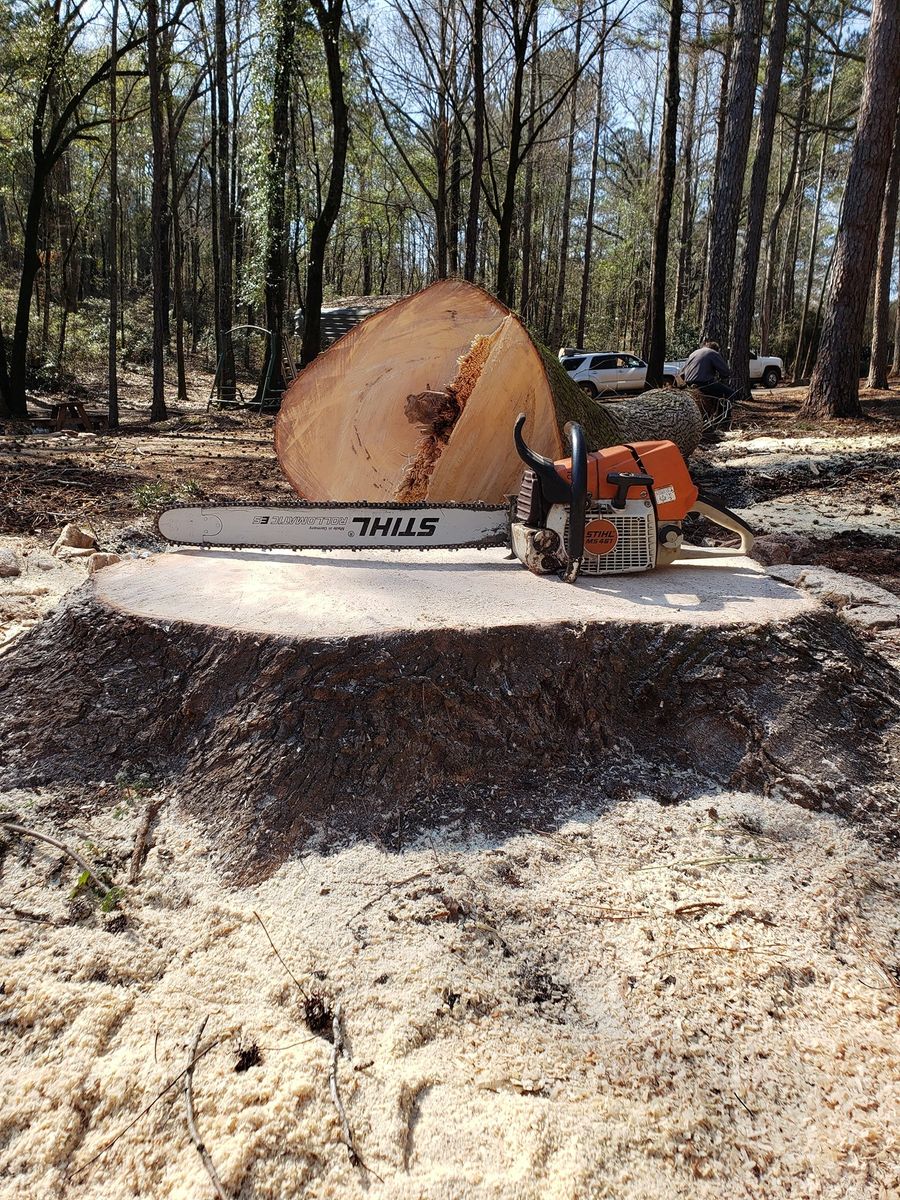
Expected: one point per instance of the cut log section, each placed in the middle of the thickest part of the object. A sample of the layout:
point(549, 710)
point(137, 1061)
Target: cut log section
point(288, 697)
point(418, 403)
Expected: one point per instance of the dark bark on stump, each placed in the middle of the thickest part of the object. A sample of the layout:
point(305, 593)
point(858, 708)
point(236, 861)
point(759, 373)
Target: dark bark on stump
point(271, 741)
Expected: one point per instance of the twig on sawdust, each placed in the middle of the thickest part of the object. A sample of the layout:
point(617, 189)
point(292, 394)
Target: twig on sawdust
point(337, 1050)
point(26, 915)
point(297, 982)
point(387, 891)
point(159, 1095)
point(192, 1124)
point(73, 854)
point(140, 841)
point(778, 953)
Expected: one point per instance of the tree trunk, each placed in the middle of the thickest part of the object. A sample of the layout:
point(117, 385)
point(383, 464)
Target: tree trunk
point(746, 287)
point(329, 15)
point(477, 139)
point(526, 305)
point(224, 293)
point(895, 365)
point(520, 35)
point(664, 196)
point(158, 213)
point(878, 369)
point(834, 390)
point(276, 222)
point(775, 220)
point(592, 188)
point(113, 232)
point(730, 185)
point(351, 426)
point(787, 299)
point(686, 226)
point(31, 263)
point(177, 244)
point(455, 189)
point(560, 295)
point(814, 234)
point(721, 117)
point(5, 389)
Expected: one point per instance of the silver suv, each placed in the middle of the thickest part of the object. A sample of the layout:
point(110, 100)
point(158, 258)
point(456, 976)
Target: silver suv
point(609, 372)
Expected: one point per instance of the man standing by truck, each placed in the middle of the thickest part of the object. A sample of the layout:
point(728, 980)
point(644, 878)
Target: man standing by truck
point(707, 371)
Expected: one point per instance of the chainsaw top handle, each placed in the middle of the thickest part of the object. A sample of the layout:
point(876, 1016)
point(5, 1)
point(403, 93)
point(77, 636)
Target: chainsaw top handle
point(554, 488)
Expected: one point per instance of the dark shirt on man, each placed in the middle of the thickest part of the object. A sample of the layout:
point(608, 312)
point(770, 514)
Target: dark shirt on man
point(704, 366)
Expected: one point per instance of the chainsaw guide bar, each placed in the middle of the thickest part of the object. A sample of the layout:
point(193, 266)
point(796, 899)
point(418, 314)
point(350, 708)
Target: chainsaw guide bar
point(349, 525)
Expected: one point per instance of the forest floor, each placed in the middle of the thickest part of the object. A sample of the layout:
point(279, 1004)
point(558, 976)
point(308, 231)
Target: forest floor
point(649, 1002)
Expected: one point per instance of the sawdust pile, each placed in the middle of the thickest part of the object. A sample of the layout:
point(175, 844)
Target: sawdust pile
point(436, 413)
point(654, 1002)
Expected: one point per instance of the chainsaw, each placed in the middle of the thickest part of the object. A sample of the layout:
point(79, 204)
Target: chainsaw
point(612, 512)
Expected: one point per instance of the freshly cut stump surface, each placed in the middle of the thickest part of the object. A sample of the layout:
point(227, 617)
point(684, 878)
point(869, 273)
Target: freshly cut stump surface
point(294, 695)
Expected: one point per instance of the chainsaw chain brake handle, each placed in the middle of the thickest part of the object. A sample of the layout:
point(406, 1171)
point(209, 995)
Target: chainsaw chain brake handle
point(557, 491)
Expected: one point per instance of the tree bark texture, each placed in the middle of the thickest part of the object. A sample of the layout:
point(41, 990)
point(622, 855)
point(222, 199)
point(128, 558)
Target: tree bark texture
point(559, 297)
point(113, 232)
point(878, 367)
point(159, 215)
point(477, 140)
point(664, 197)
point(733, 167)
point(276, 257)
point(688, 188)
point(746, 286)
point(329, 16)
point(592, 186)
point(272, 741)
point(834, 389)
point(721, 118)
point(223, 206)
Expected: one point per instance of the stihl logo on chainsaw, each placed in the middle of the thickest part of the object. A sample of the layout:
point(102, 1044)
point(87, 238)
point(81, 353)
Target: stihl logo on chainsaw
point(423, 527)
point(600, 537)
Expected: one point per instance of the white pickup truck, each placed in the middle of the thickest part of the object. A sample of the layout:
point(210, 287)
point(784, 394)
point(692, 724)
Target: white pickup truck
point(610, 372)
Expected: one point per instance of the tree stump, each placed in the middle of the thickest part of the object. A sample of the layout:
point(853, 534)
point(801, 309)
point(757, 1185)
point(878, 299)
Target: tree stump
point(297, 696)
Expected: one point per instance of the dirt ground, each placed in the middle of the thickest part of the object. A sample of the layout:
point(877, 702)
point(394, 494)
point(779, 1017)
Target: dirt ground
point(651, 1002)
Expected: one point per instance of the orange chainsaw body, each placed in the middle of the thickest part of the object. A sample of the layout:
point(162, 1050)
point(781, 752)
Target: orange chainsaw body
point(674, 492)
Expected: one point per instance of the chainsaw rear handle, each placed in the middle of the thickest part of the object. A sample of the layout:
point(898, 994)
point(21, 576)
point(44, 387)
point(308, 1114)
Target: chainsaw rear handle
point(707, 507)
